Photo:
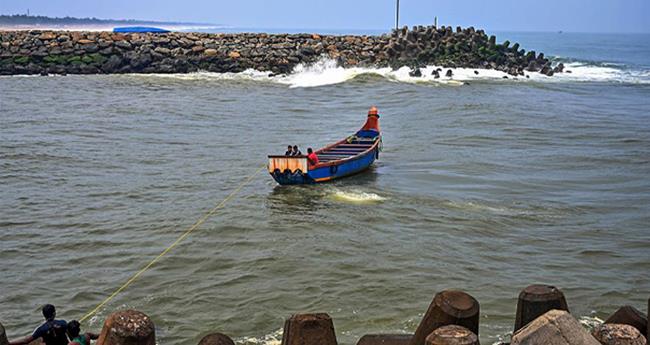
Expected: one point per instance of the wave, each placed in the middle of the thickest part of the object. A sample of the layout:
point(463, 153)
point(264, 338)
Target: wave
point(326, 72)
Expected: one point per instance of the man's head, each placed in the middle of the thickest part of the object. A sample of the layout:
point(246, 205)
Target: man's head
point(49, 312)
point(74, 328)
point(289, 147)
point(309, 150)
point(295, 148)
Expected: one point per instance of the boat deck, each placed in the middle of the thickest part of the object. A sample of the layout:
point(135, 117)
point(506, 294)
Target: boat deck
point(344, 150)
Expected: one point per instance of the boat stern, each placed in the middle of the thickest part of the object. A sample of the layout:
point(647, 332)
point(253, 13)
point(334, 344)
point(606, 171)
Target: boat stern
point(288, 170)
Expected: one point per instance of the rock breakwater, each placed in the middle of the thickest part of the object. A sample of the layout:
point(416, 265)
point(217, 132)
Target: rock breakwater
point(62, 52)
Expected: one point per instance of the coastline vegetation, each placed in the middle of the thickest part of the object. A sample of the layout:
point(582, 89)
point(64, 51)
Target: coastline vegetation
point(23, 19)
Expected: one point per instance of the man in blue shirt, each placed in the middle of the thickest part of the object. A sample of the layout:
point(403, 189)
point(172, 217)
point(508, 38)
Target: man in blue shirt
point(52, 331)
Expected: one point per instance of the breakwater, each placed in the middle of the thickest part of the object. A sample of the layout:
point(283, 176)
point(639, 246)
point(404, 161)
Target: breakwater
point(452, 318)
point(62, 52)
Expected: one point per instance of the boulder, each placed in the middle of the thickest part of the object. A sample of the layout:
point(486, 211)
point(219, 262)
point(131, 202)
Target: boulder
point(415, 73)
point(629, 315)
point(449, 73)
point(309, 329)
point(123, 44)
point(216, 339)
point(127, 327)
point(112, 64)
point(556, 327)
point(618, 334)
point(385, 339)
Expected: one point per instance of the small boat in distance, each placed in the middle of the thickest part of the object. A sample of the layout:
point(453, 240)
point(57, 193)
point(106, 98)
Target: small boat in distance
point(344, 158)
point(139, 29)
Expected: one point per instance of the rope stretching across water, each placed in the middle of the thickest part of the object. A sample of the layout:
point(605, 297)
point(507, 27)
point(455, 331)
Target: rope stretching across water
point(171, 246)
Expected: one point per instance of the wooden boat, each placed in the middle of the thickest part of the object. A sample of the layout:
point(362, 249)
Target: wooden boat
point(344, 158)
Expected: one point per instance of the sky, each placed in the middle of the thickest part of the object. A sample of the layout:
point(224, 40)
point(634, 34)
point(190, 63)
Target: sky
point(495, 15)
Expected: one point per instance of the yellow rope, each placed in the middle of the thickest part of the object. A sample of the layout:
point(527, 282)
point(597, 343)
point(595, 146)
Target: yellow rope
point(174, 244)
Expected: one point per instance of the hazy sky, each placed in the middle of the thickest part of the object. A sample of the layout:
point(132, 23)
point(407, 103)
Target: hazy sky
point(516, 15)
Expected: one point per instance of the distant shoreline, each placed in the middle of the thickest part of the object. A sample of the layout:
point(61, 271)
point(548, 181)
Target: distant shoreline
point(100, 27)
point(18, 22)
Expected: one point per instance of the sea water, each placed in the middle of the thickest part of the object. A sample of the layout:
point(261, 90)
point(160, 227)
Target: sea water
point(485, 184)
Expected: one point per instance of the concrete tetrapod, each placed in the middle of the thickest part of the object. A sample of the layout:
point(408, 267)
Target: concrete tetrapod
point(629, 315)
point(309, 329)
point(556, 327)
point(385, 339)
point(618, 334)
point(449, 307)
point(216, 339)
point(127, 327)
point(535, 300)
point(452, 335)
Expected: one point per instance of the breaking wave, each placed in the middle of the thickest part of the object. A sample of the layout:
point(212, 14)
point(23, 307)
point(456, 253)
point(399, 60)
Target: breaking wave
point(326, 72)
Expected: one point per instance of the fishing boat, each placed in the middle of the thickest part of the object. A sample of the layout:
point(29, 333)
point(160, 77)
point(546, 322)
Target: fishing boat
point(343, 158)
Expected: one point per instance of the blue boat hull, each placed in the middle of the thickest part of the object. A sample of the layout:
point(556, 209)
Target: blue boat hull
point(328, 173)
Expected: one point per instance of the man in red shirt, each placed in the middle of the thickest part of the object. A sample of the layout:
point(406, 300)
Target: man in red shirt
point(312, 157)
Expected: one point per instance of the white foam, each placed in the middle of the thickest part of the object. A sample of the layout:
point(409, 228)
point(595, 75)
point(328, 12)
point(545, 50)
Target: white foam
point(356, 196)
point(326, 72)
point(274, 338)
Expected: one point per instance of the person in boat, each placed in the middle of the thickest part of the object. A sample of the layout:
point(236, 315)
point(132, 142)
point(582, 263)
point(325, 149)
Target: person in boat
point(74, 330)
point(52, 331)
point(296, 152)
point(312, 157)
point(289, 151)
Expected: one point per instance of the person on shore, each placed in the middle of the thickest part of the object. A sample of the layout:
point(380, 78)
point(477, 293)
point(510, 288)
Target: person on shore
point(52, 331)
point(296, 152)
point(74, 330)
point(289, 151)
point(312, 157)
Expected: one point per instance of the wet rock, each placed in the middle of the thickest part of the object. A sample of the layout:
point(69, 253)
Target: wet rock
point(449, 73)
point(415, 73)
point(618, 334)
point(309, 329)
point(449, 307)
point(435, 74)
point(452, 335)
point(556, 327)
point(216, 339)
point(385, 339)
point(112, 64)
point(629, 315)
point(127, 327)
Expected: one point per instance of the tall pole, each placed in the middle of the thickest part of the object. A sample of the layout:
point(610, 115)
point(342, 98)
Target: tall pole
point(397, 16)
